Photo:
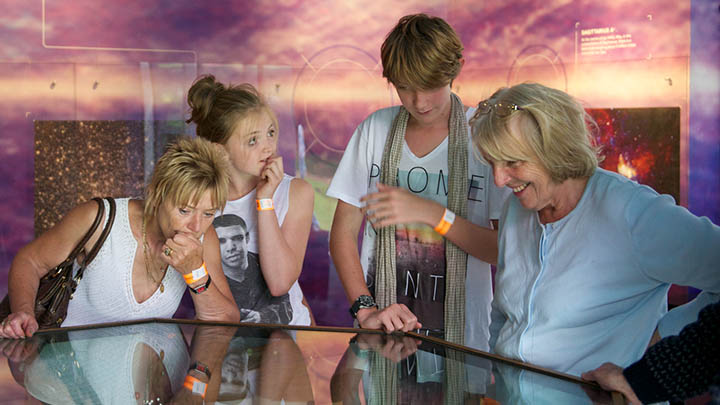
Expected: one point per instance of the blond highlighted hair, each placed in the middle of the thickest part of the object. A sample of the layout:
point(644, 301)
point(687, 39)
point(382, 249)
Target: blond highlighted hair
point(553, 130)
point(185, 172)
point(421, 52)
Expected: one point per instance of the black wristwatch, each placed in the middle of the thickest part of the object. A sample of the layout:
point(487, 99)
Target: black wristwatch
point(362, 302)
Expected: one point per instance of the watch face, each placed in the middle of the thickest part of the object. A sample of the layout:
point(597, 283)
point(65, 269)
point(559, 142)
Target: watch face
point(362, 302)
point(366, 301)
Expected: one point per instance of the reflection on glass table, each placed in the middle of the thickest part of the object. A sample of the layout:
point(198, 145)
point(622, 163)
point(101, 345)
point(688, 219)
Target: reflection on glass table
point(187, 362)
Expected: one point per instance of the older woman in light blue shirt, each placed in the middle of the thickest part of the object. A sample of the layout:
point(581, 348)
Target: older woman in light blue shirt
point(586, 256)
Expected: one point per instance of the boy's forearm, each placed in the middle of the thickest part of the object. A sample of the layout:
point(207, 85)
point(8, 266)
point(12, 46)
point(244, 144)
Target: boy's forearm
point(346, 258)
point(344, 249)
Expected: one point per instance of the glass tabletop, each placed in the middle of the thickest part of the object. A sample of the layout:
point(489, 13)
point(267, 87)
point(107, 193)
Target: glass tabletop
point(177, 361)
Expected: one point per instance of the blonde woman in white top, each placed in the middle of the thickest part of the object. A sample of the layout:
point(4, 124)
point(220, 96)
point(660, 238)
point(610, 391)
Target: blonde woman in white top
point(148, 260)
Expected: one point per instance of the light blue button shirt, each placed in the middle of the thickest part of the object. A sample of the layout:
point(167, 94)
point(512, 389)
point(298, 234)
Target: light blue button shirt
point(592, 286)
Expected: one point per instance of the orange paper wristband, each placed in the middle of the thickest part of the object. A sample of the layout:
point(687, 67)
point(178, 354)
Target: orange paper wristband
point(445, 223)
point(195, 275)
point(265, 204)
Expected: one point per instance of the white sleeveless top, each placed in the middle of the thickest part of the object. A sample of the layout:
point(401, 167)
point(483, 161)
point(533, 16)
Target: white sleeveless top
point(105, 292)
point(246, 208)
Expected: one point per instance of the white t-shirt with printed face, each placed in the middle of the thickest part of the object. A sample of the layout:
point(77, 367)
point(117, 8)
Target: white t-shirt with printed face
point(246, 280)
point(420, 257)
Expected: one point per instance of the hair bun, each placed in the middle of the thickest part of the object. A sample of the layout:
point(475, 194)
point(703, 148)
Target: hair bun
point(201, 96)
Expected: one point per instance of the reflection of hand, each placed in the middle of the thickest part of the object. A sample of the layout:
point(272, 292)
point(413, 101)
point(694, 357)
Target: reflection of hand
point(395, 205)
point(396, 317)
point(19, 354)
point(611, 378)
point(394, 348)
point(18, 325)
point(186, 252)
point(248, 315)
point(270, 177)
point(19, 350)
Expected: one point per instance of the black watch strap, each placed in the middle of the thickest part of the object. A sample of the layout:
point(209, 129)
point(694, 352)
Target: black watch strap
point(362, 302)
point(201, 288)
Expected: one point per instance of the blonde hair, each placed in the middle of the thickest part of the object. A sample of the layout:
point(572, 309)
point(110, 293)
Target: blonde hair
point(218, 109)
point(421, 52)
point(554, 130)
point(189, 168)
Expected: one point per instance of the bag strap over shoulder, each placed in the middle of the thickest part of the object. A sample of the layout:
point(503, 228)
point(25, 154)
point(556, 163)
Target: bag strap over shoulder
point(98, 218)
point(111, 219)
point(106, 231)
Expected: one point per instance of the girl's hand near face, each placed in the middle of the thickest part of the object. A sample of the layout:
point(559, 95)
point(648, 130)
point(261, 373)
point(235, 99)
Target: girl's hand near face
point(270, 177)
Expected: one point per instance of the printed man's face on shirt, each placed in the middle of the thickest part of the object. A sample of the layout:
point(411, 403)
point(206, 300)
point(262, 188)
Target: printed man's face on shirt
point(233, 247)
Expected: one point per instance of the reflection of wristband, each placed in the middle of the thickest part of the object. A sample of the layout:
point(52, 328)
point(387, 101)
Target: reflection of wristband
point(361, 360)
point(195, 275)
point(265, 204)
point(195, 386)
point(445, 223)
point(359, 353)
point(200, 368)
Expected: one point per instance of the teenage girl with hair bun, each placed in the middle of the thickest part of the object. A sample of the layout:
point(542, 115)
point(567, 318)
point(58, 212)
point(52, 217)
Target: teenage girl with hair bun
point(276, 209)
